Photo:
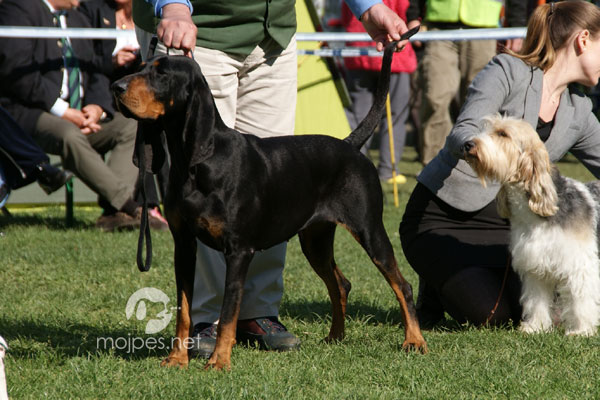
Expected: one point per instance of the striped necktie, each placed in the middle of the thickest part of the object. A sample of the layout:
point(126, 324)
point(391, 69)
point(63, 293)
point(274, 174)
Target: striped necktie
point(72, 66)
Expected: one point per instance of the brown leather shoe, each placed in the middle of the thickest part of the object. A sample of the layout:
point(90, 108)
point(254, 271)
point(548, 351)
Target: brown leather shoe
point(268, 333)
point(155, 219)
point(118, 221)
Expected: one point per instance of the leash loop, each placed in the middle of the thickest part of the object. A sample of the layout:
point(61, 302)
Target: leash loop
point(144, 225)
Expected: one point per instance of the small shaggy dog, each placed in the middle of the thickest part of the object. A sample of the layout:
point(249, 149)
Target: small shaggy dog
point(554, 225)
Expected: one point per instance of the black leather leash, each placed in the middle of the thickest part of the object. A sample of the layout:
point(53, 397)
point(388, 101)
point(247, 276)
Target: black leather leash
point(144, 225)
point(145, 235)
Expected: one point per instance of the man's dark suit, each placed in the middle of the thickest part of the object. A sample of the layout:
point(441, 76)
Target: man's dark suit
point(31, 72)
point(31, 69)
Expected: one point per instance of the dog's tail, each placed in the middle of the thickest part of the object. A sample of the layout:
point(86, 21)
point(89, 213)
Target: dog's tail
point(364, 130)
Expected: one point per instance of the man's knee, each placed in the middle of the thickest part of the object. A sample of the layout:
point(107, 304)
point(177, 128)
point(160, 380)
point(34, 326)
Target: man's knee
point(125, 128)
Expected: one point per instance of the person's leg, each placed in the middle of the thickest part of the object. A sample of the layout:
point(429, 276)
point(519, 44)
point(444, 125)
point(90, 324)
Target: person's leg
point(118, 137)
point(360, 86)
point(21, 148)
point(264, 284)
point(266, 104)
point(399, 98)
point(471, 294)
point(474, 56)
point(61, 137)
point(220, 72)
point(267, 107)
point(440, 75)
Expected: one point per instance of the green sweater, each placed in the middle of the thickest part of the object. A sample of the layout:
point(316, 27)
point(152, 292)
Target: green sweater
point(232, 26)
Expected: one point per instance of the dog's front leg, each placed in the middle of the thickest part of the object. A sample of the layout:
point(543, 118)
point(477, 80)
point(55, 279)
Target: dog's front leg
point(185, 267)
point(237, 268)
point(536, 299)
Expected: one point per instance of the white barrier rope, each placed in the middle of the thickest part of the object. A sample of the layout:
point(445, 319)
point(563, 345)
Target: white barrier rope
point(345, 52)
point(57, 33)
point(451, 35)
point(92, 33)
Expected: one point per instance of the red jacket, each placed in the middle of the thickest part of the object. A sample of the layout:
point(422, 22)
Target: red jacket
point(404, 61)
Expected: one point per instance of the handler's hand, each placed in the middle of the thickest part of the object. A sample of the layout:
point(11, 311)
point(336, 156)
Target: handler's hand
point(383, 25)
point(176, 28)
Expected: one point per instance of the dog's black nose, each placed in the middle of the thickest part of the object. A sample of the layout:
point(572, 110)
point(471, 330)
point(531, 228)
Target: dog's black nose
point(467, 146)
point(119, 87)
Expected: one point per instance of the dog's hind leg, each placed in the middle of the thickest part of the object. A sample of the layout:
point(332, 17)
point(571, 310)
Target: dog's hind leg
point(237, 262)
point(579, 298)
point(374, 240)
point(185, 267)
point(317, 245)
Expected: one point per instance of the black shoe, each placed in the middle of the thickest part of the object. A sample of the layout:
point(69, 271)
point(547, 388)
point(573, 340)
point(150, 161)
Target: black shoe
point(204, 340)
point(429, 308)
point(51, 178)
point(268, 333)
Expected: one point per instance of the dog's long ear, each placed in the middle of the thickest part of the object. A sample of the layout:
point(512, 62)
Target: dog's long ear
point(534, 169)
point(149, 136)
point(201, 116)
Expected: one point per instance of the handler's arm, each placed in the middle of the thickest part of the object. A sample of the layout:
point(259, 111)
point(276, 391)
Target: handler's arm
point(485, 96)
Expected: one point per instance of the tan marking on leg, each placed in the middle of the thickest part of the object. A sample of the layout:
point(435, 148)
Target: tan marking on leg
point(179, 353)
point(339, 301)
point(221, 357)
point(413, 339)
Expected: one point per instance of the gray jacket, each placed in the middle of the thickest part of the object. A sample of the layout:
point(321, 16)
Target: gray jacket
point(510, 87)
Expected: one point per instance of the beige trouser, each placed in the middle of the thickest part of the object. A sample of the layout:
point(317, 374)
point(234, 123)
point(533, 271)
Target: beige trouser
point(446, 68)
point(254, 94)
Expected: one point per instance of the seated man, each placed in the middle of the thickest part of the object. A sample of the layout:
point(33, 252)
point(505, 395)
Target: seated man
point(56, 95)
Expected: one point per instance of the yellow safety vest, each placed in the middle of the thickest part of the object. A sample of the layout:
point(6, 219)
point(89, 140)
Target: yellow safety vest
point(476, 13)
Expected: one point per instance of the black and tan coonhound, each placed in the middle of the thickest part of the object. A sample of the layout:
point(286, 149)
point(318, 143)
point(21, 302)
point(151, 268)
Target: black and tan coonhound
point(239, 194)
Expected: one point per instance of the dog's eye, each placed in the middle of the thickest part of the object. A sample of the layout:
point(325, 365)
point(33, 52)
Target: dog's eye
point(501, 134)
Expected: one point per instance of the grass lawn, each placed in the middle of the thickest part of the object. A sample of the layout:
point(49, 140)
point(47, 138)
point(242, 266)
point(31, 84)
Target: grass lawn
point(62, 291)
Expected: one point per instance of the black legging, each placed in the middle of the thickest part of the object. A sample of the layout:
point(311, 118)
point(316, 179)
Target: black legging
point(471, 294)
point(461, 257)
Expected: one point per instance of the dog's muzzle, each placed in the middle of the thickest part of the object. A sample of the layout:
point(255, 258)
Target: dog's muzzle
point(467, 147)
point(119, 87)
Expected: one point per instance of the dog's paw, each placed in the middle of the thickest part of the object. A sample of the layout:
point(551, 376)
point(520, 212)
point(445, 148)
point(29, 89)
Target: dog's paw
point(418, 346)
point(171, 361)
point(529, 327)
point(586, 332)
point(329, 339)
point(218, 363)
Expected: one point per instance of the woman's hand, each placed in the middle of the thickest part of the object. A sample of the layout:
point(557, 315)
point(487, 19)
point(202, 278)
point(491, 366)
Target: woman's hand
point(125, 56)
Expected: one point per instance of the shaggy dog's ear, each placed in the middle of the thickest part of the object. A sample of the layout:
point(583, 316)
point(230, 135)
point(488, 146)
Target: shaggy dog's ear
point(534, 173)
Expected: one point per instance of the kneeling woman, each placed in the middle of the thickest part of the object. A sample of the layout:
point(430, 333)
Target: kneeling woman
point(451, 232)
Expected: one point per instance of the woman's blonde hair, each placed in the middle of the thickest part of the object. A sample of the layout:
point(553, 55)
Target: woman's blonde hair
point(552, 25)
